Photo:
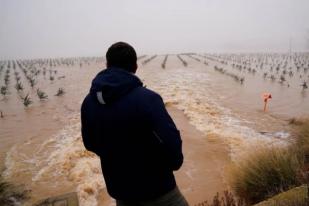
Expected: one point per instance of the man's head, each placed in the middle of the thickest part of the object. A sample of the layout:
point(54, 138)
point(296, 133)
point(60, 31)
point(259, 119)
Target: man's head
point(122, 55)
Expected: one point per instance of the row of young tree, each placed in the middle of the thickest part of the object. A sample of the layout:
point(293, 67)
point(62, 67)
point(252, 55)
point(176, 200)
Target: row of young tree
point(26, 77)
point(281, 68)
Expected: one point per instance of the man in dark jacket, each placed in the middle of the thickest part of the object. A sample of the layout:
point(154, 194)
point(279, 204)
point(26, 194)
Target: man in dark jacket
point(128, 127)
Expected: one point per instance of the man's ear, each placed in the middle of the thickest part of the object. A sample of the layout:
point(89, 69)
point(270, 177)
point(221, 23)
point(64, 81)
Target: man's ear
point(135, 68)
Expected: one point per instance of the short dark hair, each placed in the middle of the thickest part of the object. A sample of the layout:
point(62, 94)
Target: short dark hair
point(121, 55)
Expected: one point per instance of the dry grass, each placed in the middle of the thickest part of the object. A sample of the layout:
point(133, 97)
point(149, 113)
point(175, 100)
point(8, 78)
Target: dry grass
point(301, 130)
point(11, 195)
point(269, 171)
point(265, 173)
point(301, 146)
point(227, 199)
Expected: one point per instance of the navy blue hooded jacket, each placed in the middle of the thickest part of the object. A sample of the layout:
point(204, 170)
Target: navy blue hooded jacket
point(128, 127)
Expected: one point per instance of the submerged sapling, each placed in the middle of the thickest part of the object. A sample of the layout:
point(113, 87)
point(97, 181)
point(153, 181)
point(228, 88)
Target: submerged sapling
point(26, 100)
point(42, 95)
point(4, 90)
point(304, 85)
point(7, 79)
point(282, 79)
point(19, 86)
point(32, 82)
point(242, 79)
point(60, 92)
point(265, 75)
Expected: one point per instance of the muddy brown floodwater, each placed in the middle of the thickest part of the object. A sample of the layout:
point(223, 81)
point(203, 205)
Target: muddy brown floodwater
point(41, 145)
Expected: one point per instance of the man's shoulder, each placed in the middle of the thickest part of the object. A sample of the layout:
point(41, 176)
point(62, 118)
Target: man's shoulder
point(147, 93)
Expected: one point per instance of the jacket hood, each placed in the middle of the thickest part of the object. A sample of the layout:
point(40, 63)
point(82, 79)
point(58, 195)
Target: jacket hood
point(112, 83)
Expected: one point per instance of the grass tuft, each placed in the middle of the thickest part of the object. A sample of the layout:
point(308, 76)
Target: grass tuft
point(272, 170)
point(301, 128)
point(266, 173)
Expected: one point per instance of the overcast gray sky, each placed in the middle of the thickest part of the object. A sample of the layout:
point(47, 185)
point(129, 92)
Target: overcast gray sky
point(56, 28)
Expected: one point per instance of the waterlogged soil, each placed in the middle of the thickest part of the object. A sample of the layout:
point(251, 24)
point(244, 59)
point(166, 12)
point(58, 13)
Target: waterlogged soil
point(220, 120)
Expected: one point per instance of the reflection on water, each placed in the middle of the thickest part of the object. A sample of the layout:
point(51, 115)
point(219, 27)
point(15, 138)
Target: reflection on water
point(42, 143)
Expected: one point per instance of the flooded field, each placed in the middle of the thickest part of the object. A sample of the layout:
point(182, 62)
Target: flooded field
point(219, 93)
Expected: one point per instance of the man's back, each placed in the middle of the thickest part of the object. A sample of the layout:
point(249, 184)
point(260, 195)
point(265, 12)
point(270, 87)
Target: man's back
point(128, 126)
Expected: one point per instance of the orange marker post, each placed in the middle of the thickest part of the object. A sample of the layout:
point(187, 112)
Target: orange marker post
point(266, 97)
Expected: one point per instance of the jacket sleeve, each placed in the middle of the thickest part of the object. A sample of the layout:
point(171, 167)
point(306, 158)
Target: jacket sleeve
point(87, 134)
point(165, 131)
